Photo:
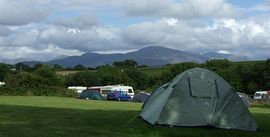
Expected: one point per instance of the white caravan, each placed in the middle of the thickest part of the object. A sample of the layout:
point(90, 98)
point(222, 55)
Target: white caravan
point(105, 89)
point(2, 83)
point(261, 95)
point(77, 89)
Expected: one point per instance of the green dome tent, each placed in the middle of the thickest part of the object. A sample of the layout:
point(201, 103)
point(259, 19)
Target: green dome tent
point(197, 97)
point(91, 94)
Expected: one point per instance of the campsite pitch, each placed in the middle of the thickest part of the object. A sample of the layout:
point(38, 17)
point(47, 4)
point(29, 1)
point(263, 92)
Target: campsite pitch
point(56, 116)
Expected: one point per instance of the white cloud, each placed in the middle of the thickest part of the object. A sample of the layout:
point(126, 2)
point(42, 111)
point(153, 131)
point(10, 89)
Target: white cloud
point(226, 35)
point(93, 39)
point(74, 31)
point(45, 28)
point(82, 21)
point(146, 33)
point(172, 21)
point(13, 12)
point(4, 30)
point(115, 51)
point(49, 53)
point(180, 9)
point(224, 52)
point(230, 35)
point(263, 7)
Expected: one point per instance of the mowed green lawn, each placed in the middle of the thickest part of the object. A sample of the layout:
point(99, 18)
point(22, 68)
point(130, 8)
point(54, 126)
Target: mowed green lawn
point(67, 117)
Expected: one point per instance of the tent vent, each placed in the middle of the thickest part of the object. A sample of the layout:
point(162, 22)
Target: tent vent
point(166, 86)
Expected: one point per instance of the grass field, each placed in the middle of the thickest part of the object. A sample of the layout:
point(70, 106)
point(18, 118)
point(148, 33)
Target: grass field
point(155, 71)
point(67, 117)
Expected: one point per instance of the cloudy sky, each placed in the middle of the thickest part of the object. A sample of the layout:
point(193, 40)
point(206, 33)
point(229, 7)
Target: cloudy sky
point(45, 29)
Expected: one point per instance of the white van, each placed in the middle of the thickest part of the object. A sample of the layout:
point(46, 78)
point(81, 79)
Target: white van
point(261, 95)
point(105, 89)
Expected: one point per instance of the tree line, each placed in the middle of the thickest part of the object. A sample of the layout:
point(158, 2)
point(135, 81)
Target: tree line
point(21, 79)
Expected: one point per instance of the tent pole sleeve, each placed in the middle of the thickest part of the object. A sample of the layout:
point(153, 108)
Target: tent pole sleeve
point(216, 88)
point(189, 85)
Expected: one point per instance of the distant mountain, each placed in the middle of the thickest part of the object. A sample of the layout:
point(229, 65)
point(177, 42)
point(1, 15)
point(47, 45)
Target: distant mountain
point(151, 56)
point(231, 57)
point(13, 61)
point(156, 56)
point(88, 60)
point(33, 63)
point(60, 57)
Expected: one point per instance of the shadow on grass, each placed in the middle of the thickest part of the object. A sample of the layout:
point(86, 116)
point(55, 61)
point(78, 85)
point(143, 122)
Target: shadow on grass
point(37, 121)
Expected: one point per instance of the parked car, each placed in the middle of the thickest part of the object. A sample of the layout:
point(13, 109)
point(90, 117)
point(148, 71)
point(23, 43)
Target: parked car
point(91, 94)
point(118, 95)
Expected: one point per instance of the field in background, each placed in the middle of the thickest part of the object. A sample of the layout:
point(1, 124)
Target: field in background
point(155, 71)
point(65, 72)
point(149, 71)
point(56, 116)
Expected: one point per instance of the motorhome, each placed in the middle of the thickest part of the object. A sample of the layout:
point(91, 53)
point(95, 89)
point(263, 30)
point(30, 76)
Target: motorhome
point(105, 89)
point(261, 95)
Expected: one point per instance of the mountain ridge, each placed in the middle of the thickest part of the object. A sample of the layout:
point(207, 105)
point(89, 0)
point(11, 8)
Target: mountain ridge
point(150, 56)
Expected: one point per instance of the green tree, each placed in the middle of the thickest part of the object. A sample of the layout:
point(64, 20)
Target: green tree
point(90, 68)
point(103, 66)
point(79, 67)
point(266, 74)
point(259, 77)
point(142, 66)
point(181, 67)
point(112, 75)
point(125, 64)
point(24, 79)
point(26, 83)
point(22, 67)
point(138, 79)
point(225, 69)
point(84, 78)
point(49, 76)
point(218, 64)
point(131, 63)
point(38, 65)
point(251, 87)
point(57, 67)
point(245, 75)
point(4, 70)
